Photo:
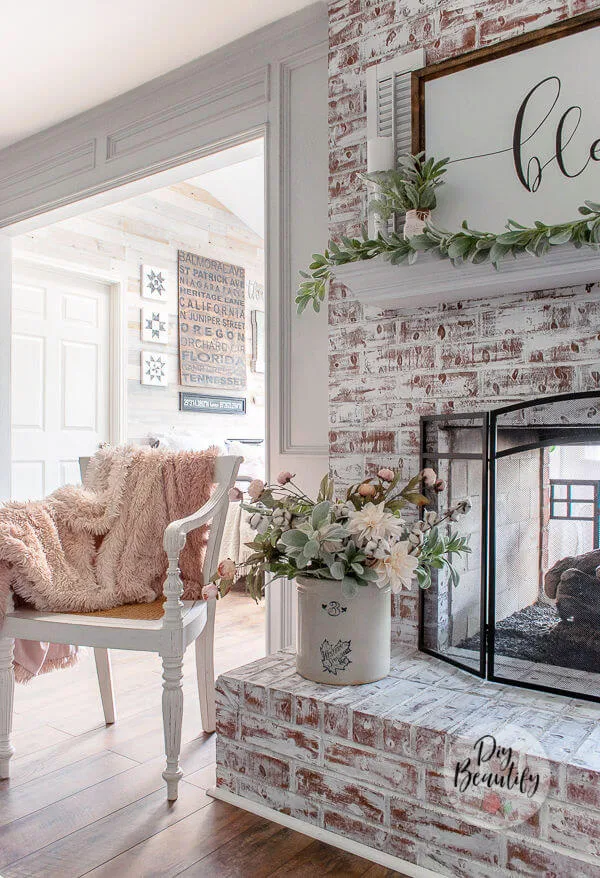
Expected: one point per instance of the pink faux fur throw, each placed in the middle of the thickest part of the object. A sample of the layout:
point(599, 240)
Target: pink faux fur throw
point(99, 546)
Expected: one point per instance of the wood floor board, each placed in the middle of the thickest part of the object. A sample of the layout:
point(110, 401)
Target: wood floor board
point(83, 712)
point(150, 745)
point(41, 736)
point(29, 834)
point(381, 872)
point(29, 766)
point(45, 791)
point(175, 849)
point(106, 838)
point(320, 859)
point(205, 778)
point(264, 848)
point(25, 722)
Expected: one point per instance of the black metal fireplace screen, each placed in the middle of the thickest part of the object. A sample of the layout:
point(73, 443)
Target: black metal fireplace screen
point(526, 609)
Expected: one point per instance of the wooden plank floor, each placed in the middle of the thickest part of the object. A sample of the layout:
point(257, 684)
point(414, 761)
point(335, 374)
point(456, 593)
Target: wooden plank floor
point(86, 799)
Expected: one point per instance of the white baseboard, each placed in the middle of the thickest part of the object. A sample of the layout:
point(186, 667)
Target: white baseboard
point(324, 835)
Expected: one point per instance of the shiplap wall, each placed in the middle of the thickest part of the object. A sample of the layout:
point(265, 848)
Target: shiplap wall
point(151, 229)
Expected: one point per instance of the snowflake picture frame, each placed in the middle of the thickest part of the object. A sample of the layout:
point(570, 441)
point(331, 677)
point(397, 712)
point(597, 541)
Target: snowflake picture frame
point(153, 369)
point(155, 283)
point(155, 325)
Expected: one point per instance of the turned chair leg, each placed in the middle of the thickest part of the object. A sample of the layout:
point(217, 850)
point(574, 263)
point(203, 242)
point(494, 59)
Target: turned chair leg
point(205, 669)
point(7, 692)
point(172, 706)
point(103, 669)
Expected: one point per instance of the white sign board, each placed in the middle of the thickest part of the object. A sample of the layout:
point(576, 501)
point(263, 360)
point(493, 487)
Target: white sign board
point(523, 133)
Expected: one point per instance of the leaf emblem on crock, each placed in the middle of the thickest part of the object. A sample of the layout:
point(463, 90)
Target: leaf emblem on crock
point(334, 656)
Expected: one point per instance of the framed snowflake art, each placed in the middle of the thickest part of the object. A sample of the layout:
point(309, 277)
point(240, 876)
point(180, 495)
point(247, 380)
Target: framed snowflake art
point(154, 283)
point(154, 369)
point(155, 325)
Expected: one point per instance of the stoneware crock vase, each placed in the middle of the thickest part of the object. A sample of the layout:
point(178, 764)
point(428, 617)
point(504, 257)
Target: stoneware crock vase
point(343, 641)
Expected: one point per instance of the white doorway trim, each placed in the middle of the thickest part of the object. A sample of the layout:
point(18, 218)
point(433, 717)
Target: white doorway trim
point(198, 161)
point(281, 615)
point(117, 329)
point(5, 364)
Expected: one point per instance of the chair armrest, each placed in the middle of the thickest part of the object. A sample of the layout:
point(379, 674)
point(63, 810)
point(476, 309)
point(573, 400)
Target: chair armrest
point(174, 540)
point(177, 531)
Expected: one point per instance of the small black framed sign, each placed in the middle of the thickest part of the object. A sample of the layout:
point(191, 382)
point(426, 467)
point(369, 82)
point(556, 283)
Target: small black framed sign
point(204, 403)
point(520, 121)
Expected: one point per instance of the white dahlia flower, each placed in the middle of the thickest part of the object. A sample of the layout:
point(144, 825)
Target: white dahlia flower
point(398, 568)
point(374, 523)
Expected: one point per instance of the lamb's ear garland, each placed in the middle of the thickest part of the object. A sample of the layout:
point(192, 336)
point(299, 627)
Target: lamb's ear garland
point(412, 186)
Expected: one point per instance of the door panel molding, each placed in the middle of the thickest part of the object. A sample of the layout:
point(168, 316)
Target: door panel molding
point(26, 262)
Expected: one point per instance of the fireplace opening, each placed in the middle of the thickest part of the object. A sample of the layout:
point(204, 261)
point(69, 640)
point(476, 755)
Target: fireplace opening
point(527, 607)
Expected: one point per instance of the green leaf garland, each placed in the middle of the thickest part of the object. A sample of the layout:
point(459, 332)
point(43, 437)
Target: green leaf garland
point(467, 245)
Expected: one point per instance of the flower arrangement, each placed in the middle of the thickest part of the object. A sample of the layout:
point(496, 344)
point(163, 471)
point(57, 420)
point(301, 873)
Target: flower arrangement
point(357, 541)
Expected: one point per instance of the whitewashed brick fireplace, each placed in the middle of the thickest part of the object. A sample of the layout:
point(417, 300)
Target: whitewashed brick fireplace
point(373, 764)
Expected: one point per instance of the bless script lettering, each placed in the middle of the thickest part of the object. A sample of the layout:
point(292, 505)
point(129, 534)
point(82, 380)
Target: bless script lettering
point(530, 174)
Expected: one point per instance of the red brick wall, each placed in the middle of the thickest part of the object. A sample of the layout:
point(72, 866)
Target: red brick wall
point(387, 368)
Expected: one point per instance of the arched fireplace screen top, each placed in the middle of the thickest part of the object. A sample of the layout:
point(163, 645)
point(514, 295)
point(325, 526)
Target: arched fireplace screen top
point(527, 607)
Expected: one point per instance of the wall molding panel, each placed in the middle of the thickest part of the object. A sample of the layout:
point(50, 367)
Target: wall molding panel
point(245, 92)
point(287, 439)
point(33, 176)
point(5, 363)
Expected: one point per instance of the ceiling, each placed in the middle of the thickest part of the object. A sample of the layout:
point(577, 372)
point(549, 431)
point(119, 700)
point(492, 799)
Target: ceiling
point(62, 57)
point(240, 187)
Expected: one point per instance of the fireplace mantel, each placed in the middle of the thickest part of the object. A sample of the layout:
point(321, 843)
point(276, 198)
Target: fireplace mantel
point(434, 281)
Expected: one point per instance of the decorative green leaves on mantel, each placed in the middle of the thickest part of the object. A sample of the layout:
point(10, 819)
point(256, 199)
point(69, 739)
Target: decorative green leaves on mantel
point(462, 247)
point(411, 186)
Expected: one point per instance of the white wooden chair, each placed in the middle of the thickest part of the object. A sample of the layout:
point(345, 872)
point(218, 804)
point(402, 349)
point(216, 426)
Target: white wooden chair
point(182, 623)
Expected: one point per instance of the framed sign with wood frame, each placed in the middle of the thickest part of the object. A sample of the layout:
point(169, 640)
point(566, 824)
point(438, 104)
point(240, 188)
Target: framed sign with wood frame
point(520, 121)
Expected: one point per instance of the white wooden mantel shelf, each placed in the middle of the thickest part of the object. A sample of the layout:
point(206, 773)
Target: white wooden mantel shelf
point(433, 281)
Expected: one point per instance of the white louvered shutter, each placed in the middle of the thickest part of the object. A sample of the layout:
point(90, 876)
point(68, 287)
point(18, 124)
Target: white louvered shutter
point(393, 110)
point(389, 108)
point(389, 99)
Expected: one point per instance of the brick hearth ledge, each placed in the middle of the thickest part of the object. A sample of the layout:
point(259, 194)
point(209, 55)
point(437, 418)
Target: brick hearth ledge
point(367, 763)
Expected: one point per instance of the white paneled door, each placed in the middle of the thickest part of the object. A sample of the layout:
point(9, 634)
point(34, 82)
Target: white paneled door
point(60, 377)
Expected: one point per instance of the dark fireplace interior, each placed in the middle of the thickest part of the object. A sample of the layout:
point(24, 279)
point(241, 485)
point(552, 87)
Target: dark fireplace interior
point(527, 607)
